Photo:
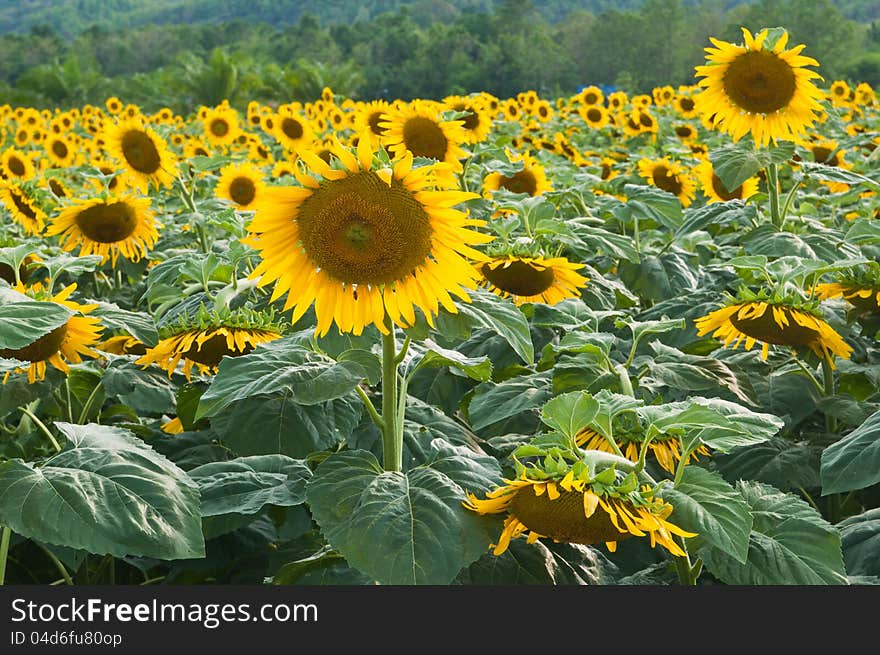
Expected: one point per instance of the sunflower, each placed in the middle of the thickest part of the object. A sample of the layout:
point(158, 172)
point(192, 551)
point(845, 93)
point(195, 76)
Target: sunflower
point(637, 121)
point(828, 152)
point(714, 188)
point(419, 130)
point(142, 152)
point(617, 101)
point(174, 426)
point(16, 165)
point(122, 344)
point(596, 116)
point(195, 148)
point(290, 129)
point(685, 132)
point(221, 126)
point(765, 91)
point(113, 104)
point(859, 287)
point(574, 508)
point(670, 177)
point(107, 226)
point(204, 340)
point(666, 449)
point(24, 210)
point(533, 279)
point(782, 323)
point(663, 95)
point(542, 111)
point(363, 242)
point(369, 117)
point(511, 111)
point(242, 184)
point(532, 179)
point(66, 343)
point(839, 93)
point(592, 95)
point(61, 152)
point(476, 122)
point(686, 106)
point(111, 178)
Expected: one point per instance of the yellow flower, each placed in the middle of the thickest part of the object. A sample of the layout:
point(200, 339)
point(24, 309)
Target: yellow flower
point(669, 176)
point(419, 130)
point(714, 188)
point(533, 279)
point(142, 152)
point(666, 450)
point(532, 179)
point(242, 184)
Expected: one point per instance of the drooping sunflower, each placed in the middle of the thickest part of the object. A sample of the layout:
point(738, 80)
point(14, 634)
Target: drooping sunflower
point(669, 176)
point(242, 184)
point(142, 152)
point(23, 208)
point(66, 343)
point(418, 129)
point(859, 287)
point(362, 242)
point(575, 508)
point(202, 341)
point(533, 279)
point(532, 179)
point(763, 90)
point(17, 166)
point(221, 125)
point(107, 226)
point(774, 322)
point(666, 449)
point(714, 188)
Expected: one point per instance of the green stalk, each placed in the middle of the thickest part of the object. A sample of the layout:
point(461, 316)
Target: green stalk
point(773, 192)
point(392, 442)
point(4, 553)
point(828, 379)
point(42, 427)
point(58, 565)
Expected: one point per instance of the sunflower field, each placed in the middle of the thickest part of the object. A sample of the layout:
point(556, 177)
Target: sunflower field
point(597, 339)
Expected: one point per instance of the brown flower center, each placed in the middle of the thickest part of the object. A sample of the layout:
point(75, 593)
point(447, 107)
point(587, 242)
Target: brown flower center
point(292, 128)
point(520, 182)
point(563, 519)
point(665, 179)
point(519, 278)
point(760, 82)
point(424, 138)
point(140, 152)
point(107, 223)
point(213, 350)
point(242, 190)
point(764, 328)
point(16, 166)
point(39, 350)
point(721, 190)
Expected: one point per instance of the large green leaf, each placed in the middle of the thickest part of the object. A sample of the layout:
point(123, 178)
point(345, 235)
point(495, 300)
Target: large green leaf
point(854, 461)
point(778, 462)
point(22, 323)
point(107, 492)
point(495, 402)
point(397, 528)
point(537, 564)
point(137, 324)
point(282, 366)
point(790, 543)
point(487, 310)
point(860, 538)
point(430, 355)
point(570, 412)
point(704, 503)
point(735, 163)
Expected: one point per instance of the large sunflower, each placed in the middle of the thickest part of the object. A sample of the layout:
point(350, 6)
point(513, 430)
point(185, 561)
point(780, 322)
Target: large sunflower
point(107, 226)
point(533, 279)
point(859, 287)
point(24, 210)
point(573, 508)
point(362, 242)
point(242, 184)
point(714, 188)
point(669, 176)
point(66, 343)
point(419, 130)
point(142, 152)
point(532, 179)
point(777, 323)
point(763, 90)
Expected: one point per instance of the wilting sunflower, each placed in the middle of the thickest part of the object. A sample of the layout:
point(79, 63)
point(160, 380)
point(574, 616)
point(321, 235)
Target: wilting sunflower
point(476, 122)
point(107, 226)
point(532, 179)
point(714, 188)
point(241, 184)
point(23, 208)
point(533, 279)
point(221, 125)
point(142, 152)
point(17, 166)
point(669, 176)
point(418, 129)
point(782, 323)
point(363, 242)
point(574, 508)
point(765, 91)
point(66, 343)
point(202, 341)
point(859, 287)
point(122, 344)
point(666, 449)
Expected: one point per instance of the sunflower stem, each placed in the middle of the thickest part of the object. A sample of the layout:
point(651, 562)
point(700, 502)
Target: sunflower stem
point(788, 199)
point(685, 454)
point(371, 408)
point(88, 405)
point(5, 537)
point(773, 192)
point(42, 427)
point(58, 565)
point(828, 379)
point(810, 375)
point(392, 444)
point(625, 382)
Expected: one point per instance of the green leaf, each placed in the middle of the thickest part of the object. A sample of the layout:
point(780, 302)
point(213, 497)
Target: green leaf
point(247, 484)
point(307, 378)
point(396, 528)
point(704, 503)
point(854, 461)
point(106, 493)
point(835, 174)
point(790, 543)
point(137, 324)
point(22, 323)
point(778, 462)
point(717, 214)
point(502, 317)
point(149, 392)
point(430, 355)
point(650, 202)
point(538, 564)
point(860, 538)
point(736, 163)
point(292, 572)
point(494, 402)
point(73, 266)
point(472, 471)
point(369, 361)
point(610, 405)
point(570, 412)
